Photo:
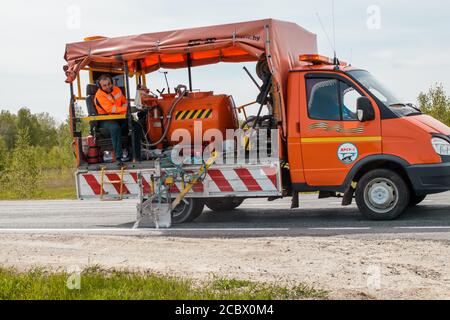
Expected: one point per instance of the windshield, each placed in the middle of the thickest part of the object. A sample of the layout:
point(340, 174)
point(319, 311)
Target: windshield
point(384, 95)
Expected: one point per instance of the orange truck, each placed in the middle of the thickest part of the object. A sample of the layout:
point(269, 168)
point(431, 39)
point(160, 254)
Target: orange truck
point(339, 131)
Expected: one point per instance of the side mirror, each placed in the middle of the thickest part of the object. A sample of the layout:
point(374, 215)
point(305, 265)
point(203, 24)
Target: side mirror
point(365, 109)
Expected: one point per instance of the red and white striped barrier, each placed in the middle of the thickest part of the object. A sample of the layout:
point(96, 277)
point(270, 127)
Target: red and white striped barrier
point(252, 180)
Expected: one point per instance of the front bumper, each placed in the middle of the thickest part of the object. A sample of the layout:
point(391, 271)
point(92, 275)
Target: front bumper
point(429, 179)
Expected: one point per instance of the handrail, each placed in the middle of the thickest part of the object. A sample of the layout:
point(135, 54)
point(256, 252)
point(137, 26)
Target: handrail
point(242, 108)
point(104, 117)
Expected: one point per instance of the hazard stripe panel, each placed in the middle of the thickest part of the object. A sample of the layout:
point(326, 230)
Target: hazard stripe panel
point(251, 180)
point(220, 181)
point(93, 183)
point(248, 179)
point(193, 114)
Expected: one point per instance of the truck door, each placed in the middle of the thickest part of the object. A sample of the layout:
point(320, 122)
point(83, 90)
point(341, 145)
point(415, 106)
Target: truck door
point(332, 138)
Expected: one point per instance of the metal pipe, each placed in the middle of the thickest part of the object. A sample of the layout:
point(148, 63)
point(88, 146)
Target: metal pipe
point(138, 74)
point(72, 110)
point(265, 93)
point(73, 121)
point(79, 86)
point(144, 79)
point(129, 116)
point(189, 63)
point(253, 79)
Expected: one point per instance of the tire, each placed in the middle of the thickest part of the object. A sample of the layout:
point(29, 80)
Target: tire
point(382, 194)
point(224, 204)
point(415, 200)
point(188, 210)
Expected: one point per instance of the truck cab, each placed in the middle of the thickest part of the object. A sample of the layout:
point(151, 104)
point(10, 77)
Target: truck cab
point(348, 134)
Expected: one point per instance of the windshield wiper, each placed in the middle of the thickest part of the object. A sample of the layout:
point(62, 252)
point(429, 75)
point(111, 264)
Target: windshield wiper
point(397, 105)
point(414, 107)
point(410, 105)
point(418, 113)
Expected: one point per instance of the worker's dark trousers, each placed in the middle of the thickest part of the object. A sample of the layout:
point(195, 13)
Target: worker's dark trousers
point(119, 128)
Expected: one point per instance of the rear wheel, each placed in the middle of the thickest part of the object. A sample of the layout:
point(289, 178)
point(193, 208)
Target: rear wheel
point(224, 204)
point(382, 195)
point(415, 200)
point(188, 210)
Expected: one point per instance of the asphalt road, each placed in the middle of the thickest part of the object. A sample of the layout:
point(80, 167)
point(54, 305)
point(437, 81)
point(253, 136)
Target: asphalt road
point(255, 217)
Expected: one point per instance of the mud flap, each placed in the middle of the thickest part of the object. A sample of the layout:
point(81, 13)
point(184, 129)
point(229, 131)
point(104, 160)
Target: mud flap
point(347, 199)
point(295, 201)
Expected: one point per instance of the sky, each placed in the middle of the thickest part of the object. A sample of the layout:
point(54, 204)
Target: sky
point(403, 43)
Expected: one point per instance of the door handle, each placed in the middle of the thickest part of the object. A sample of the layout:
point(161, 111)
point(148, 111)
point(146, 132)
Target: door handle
point(297, 125)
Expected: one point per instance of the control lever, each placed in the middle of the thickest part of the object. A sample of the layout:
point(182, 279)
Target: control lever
point(167, 81)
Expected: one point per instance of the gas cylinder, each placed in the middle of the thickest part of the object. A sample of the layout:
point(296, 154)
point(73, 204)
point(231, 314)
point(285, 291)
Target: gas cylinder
point(93, 154)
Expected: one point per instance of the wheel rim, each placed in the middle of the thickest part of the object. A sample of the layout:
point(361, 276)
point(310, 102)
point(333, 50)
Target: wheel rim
point(381, 195)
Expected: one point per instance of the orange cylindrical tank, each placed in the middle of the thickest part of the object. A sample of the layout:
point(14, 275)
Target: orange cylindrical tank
point(155, 125)
point(213, 111)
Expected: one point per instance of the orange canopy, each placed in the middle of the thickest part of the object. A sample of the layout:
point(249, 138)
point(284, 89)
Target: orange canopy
point(279, 42)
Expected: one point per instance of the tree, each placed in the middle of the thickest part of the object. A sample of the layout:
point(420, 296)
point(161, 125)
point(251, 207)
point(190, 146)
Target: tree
point(46, 131)
point(3, 156)
point(436, 103)
point(23, 173)
point(41, 126)
point(8, 128)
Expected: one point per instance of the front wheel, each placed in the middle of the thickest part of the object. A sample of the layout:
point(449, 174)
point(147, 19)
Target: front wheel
point(188, 210)
point(382, 194)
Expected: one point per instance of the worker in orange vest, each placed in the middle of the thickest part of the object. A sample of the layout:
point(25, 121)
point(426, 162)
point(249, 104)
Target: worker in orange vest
point(110, 100)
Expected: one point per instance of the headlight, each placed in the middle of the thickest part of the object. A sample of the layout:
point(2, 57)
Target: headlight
point(441, 146)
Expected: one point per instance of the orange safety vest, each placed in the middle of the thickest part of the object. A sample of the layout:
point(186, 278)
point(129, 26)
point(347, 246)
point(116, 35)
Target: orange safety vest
point(112, 103)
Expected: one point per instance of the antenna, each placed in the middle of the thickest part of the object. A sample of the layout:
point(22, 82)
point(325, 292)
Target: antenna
point(351, 56)
point(325, 31)
point(332, 44)
point(334, 31)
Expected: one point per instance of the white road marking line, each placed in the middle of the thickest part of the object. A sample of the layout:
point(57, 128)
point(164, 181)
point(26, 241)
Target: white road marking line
point(424, 227)
point(140, 230)
point(153, 231)
point(434, 200)
point(342, 228)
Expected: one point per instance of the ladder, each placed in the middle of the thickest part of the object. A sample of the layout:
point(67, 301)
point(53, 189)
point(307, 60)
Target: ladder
point(113, 182)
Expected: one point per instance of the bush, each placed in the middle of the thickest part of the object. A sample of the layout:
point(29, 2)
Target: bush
point(23, 174)
point(3, 156)
point(436, 103)
point(35, 155)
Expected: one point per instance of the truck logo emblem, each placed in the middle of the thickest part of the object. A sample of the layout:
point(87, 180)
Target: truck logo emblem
point(347, 153)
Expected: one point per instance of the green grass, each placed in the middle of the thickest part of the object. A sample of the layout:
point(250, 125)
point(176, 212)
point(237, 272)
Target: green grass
point(98, 284)
point(45, 194)
point(53, 185)
point(58, 193)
